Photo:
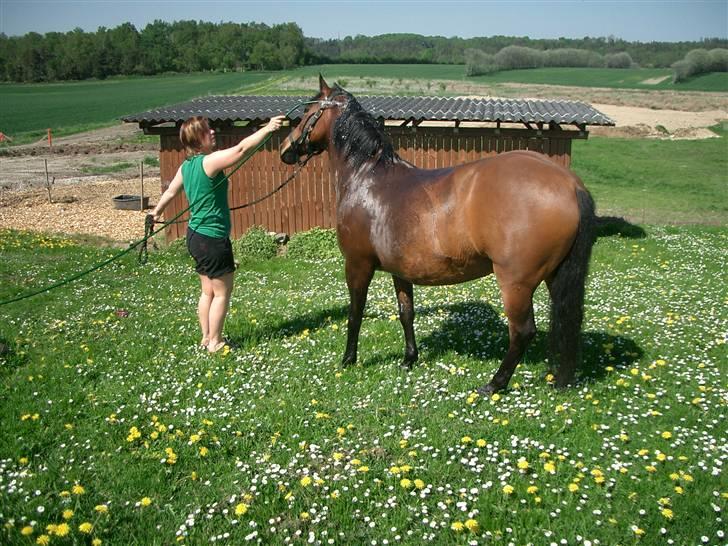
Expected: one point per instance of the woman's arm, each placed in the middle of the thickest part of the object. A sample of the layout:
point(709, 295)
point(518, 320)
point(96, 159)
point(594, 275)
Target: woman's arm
point(222, 159)
point(173, 189)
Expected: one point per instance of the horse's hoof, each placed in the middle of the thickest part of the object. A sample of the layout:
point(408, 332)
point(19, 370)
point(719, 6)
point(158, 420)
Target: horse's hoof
point(487, 390)
point(563, 382)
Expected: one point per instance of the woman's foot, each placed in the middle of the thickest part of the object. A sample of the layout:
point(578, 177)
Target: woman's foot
point(204, 343)
point(213, 347)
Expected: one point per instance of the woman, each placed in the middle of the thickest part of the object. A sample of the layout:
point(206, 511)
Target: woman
point(208, 232)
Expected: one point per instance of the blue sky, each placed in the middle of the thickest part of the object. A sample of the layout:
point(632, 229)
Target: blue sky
point(641, 20)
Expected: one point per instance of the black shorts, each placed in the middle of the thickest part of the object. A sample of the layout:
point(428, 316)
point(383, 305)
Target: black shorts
point(213, 256)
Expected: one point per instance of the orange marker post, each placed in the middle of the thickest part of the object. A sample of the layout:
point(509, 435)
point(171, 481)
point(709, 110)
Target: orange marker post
point(50, 138)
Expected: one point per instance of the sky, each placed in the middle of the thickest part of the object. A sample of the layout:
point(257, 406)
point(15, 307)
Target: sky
point(633, 20)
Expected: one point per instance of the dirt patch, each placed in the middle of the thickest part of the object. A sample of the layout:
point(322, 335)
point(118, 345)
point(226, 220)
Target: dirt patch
point(632, 121)
point(79, 208)
point(655, 81)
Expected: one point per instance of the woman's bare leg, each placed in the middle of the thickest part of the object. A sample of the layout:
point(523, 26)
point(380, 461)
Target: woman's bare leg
point(222, 288)
point(203, 308)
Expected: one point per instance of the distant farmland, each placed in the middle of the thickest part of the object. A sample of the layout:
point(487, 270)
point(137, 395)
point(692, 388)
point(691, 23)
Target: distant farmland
point(28, 109)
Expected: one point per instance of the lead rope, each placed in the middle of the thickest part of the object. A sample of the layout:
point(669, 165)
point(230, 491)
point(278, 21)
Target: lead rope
point(149, 230)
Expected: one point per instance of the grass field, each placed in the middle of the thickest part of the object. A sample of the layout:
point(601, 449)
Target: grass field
point(580, 77)
point(118, 428)
point(657, 181)
point(28, 110)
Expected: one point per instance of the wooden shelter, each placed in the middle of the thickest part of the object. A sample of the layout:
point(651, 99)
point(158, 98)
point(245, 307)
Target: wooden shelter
point(430, 132)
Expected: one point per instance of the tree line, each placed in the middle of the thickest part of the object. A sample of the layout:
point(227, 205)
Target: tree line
point(414, 48)
point(192, 46)
point(182, 46)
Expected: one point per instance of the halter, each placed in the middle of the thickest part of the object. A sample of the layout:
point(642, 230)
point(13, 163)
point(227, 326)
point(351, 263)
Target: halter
point(303, 142)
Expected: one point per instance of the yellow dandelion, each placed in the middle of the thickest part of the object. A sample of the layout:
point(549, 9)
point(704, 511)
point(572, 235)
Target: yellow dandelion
point(304, 516)
point(507, 489)
point(133, 434)
point(86, 527)
point(667, 513)
point(306, 481)
point(532, 489)
point(419, 484)
point(67, 514)
point(26, 531)
point(573, 487)
point(97, 542)
point(522, 464)
point(241, 509)
point(78, 489)
point(363, 468)
point(61, 530)
point(338, 456)
point(481, 443)
point(549, 467)
point(43, 540)
point(405, 483)
point(457, 526)
point(146, 501)
point(101, 508)
point(466, 439)
point(472, 526)
point(666, 435)
point(204, 451)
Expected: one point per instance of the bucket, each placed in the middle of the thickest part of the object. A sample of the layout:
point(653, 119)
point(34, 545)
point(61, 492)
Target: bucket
point(129, 202)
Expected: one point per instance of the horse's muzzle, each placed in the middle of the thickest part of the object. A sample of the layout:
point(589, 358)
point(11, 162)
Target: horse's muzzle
point(289, 156)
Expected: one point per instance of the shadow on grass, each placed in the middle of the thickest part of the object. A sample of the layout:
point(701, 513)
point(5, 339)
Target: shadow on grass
point(247, 334)
point(10, 360)
point(475, 329)
point(609, 226)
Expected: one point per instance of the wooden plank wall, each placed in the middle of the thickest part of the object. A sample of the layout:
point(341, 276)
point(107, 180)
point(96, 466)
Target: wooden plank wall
point(310, 200)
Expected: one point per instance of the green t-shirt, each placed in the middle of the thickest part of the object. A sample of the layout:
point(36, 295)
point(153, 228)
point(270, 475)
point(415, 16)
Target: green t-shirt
point(209, 214)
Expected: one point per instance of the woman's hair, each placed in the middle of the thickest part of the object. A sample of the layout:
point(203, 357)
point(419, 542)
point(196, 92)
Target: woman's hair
point(192, 134)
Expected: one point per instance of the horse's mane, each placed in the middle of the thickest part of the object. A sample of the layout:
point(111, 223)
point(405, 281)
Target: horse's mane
point(359, 136)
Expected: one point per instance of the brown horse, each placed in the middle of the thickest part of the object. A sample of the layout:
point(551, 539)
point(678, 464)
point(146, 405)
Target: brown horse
point(518, 215)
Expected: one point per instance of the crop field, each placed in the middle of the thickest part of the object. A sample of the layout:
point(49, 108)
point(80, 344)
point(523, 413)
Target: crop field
point(29, 109)
point(117, 427)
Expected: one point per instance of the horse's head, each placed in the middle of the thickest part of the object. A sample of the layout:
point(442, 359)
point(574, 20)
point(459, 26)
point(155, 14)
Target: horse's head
point(311, 136)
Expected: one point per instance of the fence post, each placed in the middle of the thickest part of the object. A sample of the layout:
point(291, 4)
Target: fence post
point(48, 182)
point(141, 183)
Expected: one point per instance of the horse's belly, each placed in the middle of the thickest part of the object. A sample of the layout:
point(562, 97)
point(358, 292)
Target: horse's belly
point(436, 271)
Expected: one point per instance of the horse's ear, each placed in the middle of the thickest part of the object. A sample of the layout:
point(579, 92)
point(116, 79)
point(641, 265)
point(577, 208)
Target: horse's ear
point(323, 86)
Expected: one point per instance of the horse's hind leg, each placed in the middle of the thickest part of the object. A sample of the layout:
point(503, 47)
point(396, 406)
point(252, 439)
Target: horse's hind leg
point(518, 303)
point(407, 318)
point(358, 276)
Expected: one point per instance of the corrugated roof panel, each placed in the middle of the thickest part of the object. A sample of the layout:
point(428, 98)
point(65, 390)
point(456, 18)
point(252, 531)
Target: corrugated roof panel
point(249, 108)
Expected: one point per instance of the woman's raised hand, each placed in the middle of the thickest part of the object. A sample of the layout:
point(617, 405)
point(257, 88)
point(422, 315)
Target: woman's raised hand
point(275, 123)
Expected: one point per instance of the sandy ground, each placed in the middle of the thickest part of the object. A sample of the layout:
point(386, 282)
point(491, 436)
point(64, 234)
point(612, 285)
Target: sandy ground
point(82, 201)
point(647, 122)
point(84, 209)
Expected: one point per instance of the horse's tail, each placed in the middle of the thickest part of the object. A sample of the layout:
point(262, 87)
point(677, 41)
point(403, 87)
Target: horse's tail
point(567, 293)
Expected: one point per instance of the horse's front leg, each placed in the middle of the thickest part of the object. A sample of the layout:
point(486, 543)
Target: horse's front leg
point(407, 318)
point(358, 276)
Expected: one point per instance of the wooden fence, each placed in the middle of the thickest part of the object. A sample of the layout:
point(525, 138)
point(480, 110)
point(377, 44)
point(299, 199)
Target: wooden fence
point(309, 200)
